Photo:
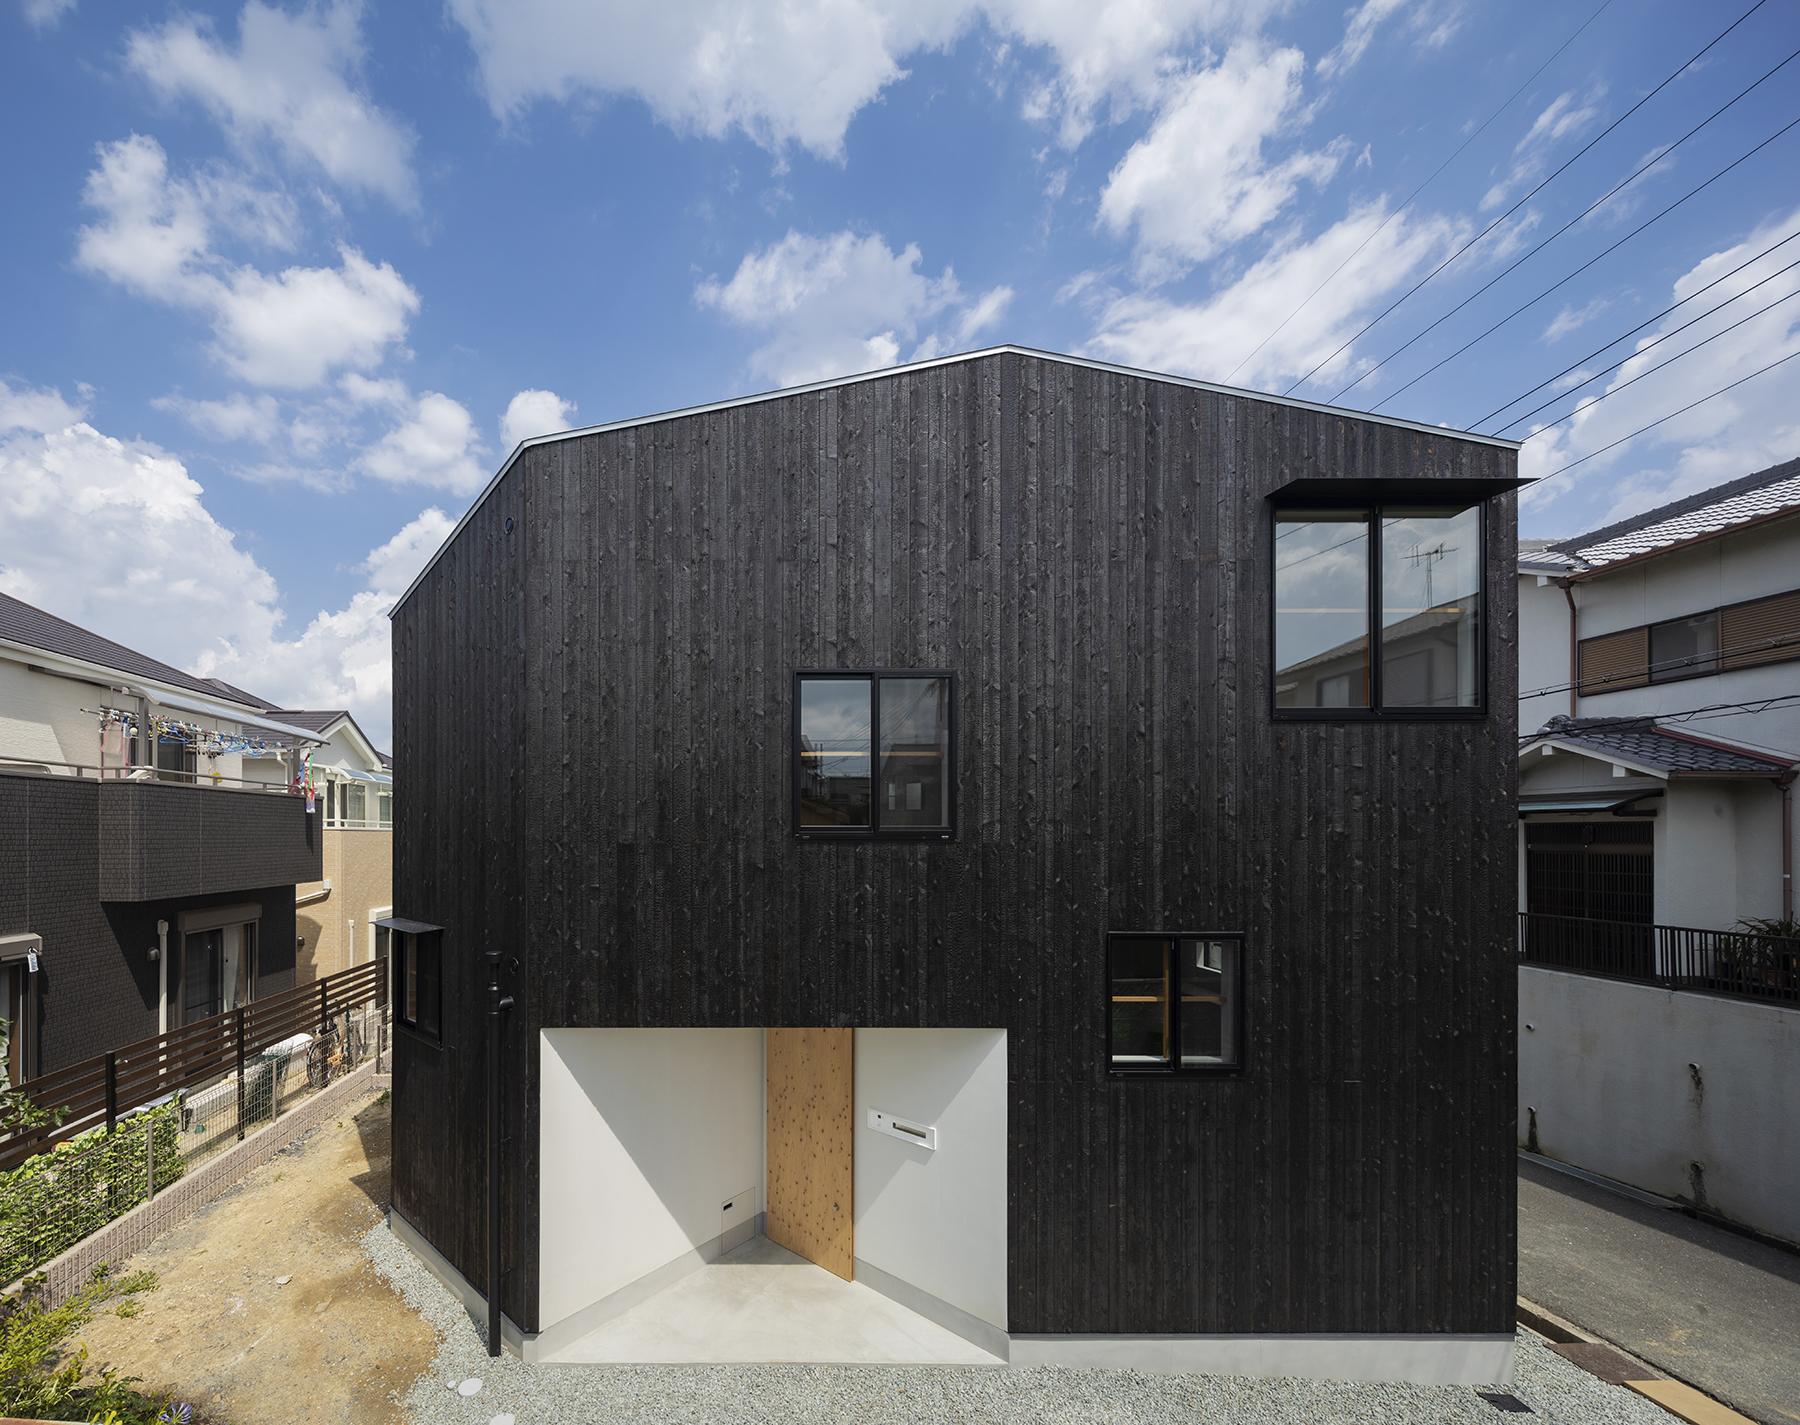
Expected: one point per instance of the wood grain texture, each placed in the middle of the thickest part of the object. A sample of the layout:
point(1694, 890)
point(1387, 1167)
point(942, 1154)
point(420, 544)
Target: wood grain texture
point(811, 1170)
point(592, 722)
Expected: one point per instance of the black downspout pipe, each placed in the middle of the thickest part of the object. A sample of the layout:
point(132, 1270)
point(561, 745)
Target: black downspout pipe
point(498, 1004)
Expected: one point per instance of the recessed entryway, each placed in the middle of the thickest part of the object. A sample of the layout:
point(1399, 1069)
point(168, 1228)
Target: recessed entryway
point(790, 1194)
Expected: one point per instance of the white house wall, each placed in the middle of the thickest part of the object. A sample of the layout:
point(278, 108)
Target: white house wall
point(1543, 651)
point(935, 1219)
point(1642, 1084)
point(644, 1135)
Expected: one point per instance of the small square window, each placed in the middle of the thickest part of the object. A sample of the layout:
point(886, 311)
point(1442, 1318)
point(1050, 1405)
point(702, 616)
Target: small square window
point(874, 754)
point(1175, 1003)
point(418, 985)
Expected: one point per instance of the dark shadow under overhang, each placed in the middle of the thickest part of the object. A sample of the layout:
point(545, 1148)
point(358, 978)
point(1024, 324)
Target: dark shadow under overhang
point(1451, 490)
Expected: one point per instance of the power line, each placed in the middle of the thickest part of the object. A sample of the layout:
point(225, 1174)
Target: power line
point(1648, 321)
point(1526, 256)
point(1563, 469)
point(1700, 714)
point(1689, 351)
point(1604, 252)
point(1331, 276)
point(1687, 660)
point(1669, 79)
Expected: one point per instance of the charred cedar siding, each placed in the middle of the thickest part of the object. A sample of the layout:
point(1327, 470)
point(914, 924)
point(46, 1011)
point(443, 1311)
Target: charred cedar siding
point(592, 721)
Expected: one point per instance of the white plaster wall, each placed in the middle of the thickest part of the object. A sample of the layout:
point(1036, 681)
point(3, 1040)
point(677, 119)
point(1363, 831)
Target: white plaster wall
point(1543, 651)
point(1696, 855)
point(935, 1219)
point(41, 717)
point(1606, 1067)
point(645, 1134)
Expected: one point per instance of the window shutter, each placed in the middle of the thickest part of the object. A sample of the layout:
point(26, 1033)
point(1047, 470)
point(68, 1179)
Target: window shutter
point(1766, 631)
point(1615, 660)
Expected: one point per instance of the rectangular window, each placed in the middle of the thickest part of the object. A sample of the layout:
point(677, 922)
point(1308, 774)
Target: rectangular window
point(874, 754)
point(1175, 1003)
point(418, 981)
point(353, 799)
point(1684, 647)
point(1415, 575)
point(384, 804)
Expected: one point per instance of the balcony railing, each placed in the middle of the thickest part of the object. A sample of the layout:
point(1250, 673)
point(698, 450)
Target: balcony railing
point(1724, 962)
point(135, 773)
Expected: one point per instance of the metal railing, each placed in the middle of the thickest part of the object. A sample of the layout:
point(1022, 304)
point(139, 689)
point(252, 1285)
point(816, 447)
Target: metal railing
point(1739, 963)
point(243, 1047)
point(137, 772)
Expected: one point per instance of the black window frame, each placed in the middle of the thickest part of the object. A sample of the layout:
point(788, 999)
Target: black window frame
point(402, 948)
point(874, 831)
point(1175, 1069)
point(1375, 712)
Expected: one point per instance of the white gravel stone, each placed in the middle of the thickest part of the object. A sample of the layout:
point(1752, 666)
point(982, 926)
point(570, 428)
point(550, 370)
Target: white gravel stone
point(1559, 1393)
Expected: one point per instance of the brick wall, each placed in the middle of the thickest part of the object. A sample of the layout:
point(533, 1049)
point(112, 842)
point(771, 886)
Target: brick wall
point(157, 840)
point(360, 867)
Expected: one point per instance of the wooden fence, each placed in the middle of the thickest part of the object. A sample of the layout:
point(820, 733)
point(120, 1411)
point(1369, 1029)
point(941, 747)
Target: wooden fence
point(94, 1093)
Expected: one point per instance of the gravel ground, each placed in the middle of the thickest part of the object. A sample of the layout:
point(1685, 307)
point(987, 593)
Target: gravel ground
point(512, 1393)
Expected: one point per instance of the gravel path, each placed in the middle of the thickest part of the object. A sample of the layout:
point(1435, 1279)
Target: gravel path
point(512, 1393)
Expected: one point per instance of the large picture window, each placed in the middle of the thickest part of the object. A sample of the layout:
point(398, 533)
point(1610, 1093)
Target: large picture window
point(1175, 1003)
point(1413, 575)
point(874, 754)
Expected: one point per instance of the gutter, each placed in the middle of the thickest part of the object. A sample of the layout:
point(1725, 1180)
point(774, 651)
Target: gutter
point(1568, 588)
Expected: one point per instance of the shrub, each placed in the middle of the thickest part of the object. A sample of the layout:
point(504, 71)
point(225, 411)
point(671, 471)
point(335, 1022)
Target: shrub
point(54, 1200)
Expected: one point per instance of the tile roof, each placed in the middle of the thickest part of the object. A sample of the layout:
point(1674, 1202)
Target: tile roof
point(1642, 742)
point(1767, 492)
point(27, 624)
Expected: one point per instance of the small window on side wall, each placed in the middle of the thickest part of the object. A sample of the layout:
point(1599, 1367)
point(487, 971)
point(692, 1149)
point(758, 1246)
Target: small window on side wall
point(874, 755)
point(1175, 1003)
point(1415, 575)
point(418, 986)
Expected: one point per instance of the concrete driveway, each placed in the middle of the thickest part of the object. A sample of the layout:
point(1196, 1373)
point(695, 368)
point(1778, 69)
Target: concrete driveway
point(1708, 1306)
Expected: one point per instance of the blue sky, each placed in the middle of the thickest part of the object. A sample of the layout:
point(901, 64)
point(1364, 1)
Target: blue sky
point(283, 284)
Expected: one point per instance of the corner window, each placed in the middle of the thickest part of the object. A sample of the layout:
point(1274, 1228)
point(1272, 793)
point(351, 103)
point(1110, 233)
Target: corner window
point(1414, 575)
point(418, 981)
point(1684, 647)
point(874, 754)
point(1175, 1003)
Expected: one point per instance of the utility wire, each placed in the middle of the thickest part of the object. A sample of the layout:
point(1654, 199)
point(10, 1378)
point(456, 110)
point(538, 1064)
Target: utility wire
point(1536, 248)
point(1669, 79)
point(1604, 252)
point(1563, 469)
point(1700, 714)
point(1648, 321)
point(1686, 660)
point(1332, 275)
point(1651, 371)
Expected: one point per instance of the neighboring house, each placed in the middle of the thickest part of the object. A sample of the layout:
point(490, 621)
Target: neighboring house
point(149, 845)
point(355, 796)
point(899, 814)
point(1660, 694)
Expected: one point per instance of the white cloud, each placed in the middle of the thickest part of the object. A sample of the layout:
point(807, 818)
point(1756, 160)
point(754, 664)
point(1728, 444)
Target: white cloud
point(1209, 337)
point(238, 417)
point(983, 313)
point(842, 303)
point(46, 14)
point(1430, 23)
point(1750, 428)
point(435, 444)
point(116, 535)
point(290, 81)
point(1197, 181)
point(290, 329)
point(1563, 116)
point(39, 409)
point(534, 413)
point(1572, 318)
point(799, 72)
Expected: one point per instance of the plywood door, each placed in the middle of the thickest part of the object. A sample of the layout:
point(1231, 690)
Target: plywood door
point(811, 1170)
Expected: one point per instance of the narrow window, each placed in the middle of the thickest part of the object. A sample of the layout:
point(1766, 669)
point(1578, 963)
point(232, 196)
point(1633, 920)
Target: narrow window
point(1684, 647)
point(418, 981)
point(874, 754)
point(1430, 608)
point(1322, 609)
point(1175, 1003)
point(1415, 575)
point(354, 804)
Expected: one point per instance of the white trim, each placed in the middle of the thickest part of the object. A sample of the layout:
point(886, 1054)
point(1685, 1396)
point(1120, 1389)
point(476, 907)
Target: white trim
point(203, 707)
point(831, 383)
point(1421, 1360)
point(1607, 758)
point(17, 947)
point(112, 679)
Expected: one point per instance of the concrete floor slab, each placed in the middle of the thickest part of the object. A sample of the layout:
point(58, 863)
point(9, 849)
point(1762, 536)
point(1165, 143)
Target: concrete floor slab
point(763, 1304)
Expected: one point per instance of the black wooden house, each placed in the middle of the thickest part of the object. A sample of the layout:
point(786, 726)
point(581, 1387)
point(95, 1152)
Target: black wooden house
point(1033, 837)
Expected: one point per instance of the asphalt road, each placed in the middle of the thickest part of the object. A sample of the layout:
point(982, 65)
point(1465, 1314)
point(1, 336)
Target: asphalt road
point(1710, 1307)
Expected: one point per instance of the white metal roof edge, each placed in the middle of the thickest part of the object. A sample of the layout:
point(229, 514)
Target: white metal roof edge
point(830, 383)
point(187, 702)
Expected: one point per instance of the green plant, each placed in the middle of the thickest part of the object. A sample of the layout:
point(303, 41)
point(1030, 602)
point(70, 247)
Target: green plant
point(1771, 925)
point(42, 1379)
point(54, 1200)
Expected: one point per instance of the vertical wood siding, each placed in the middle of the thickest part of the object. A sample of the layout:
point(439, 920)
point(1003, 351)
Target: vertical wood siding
point(592, 724)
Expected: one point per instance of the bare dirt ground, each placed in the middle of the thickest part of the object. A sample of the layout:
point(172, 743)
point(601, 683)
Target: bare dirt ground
point(335, 1343)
